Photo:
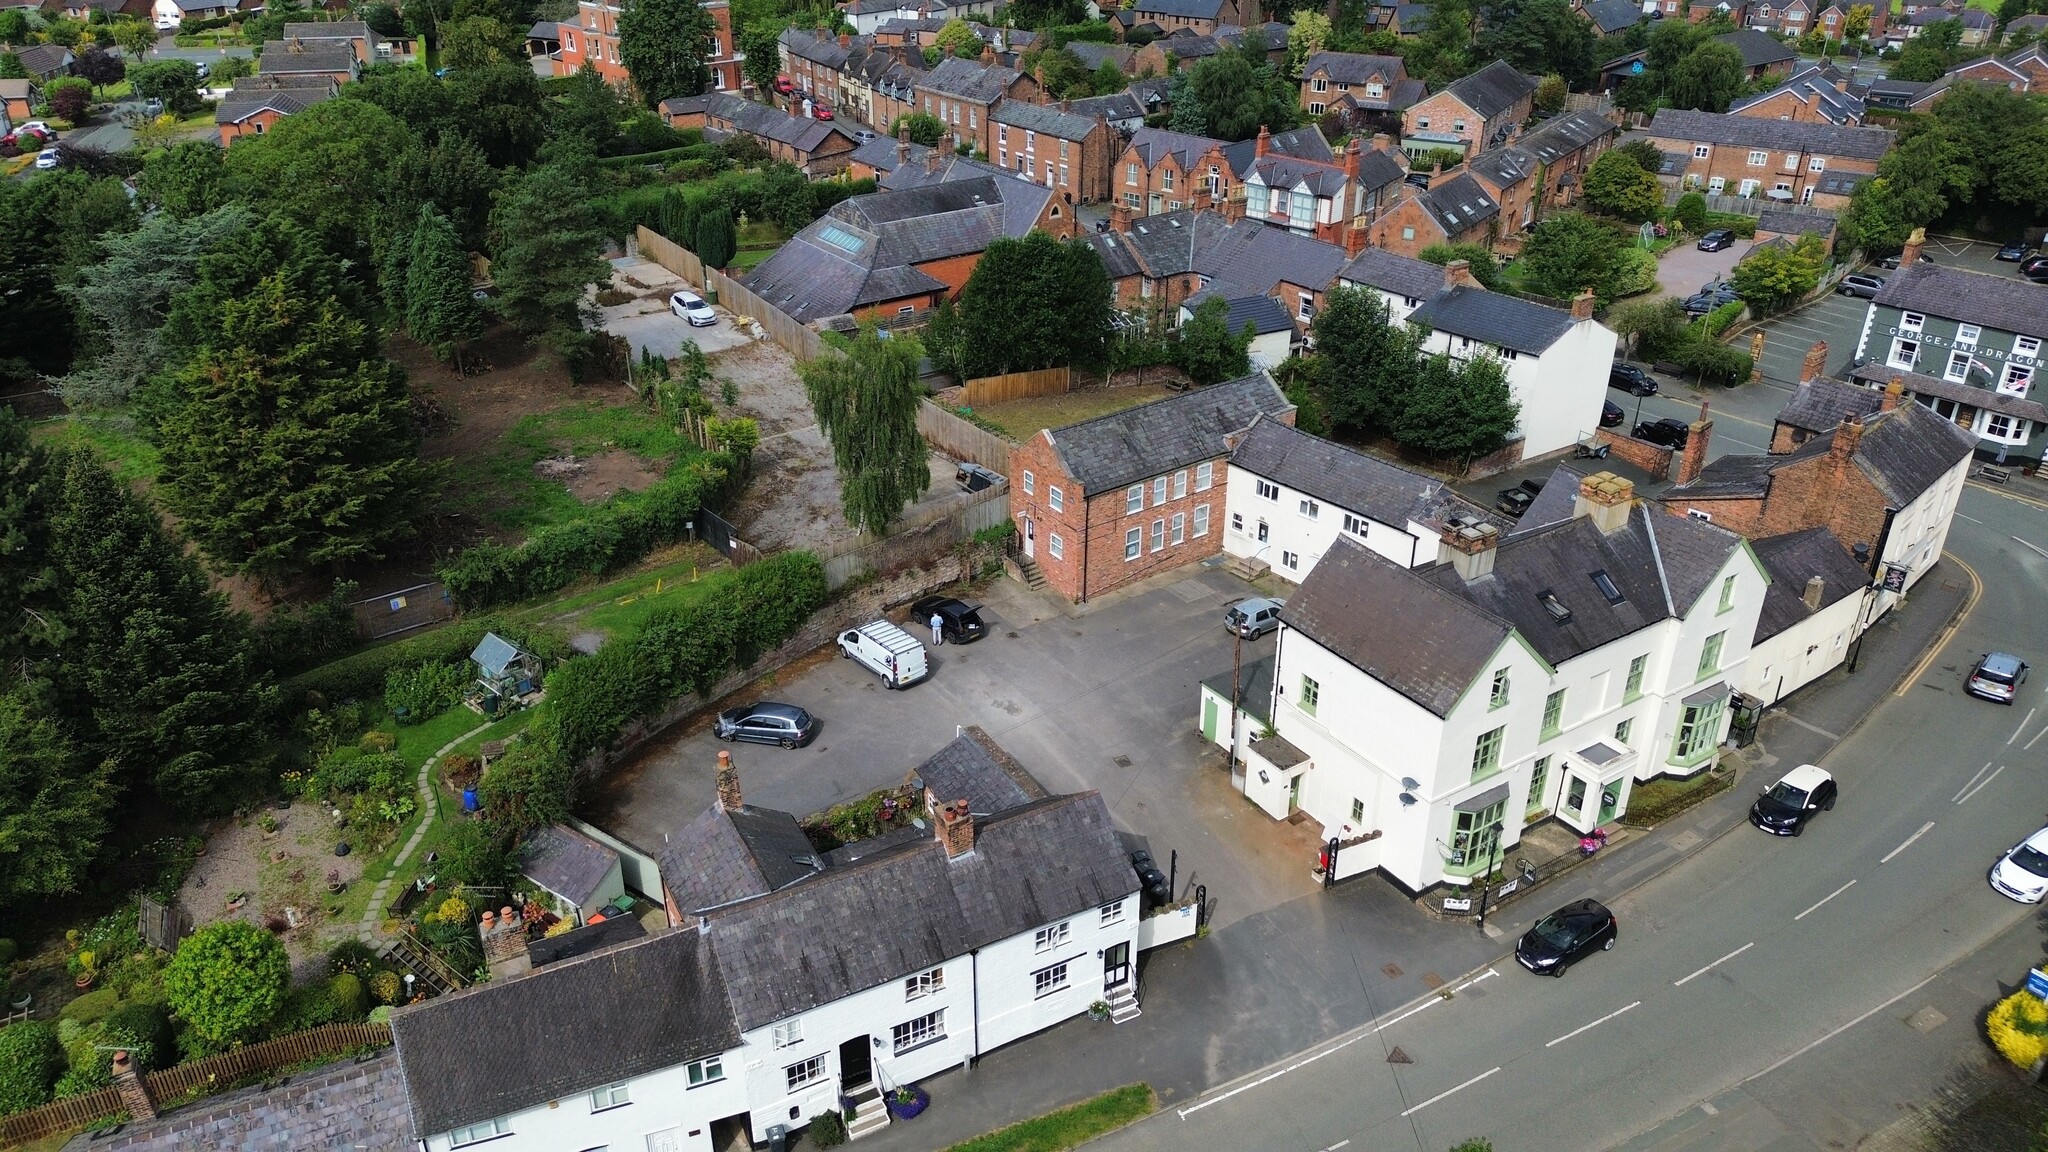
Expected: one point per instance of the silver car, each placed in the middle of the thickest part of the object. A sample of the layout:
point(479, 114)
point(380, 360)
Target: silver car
point(1254, 617)
point(1860, 284)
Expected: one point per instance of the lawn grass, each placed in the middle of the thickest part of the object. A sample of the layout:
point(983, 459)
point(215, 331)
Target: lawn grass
point(751, 258)
point(1069, 1127)
point(626, 604)
point(114, 440)
point(1022, 419)
point(416, 742)
point(503, 489)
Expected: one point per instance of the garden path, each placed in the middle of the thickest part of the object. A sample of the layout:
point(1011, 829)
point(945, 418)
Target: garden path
point(366, 930)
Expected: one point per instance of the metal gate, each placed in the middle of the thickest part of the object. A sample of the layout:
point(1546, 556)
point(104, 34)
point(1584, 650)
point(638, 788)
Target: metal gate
point(402, 610)
point(718, 532)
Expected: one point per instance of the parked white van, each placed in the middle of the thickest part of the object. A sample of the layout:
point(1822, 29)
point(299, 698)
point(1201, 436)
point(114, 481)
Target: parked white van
point(887, 651)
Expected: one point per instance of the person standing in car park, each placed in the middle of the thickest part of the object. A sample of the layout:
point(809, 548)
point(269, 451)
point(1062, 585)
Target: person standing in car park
point(938, 633)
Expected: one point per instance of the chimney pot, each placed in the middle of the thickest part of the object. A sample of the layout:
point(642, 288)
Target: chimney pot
point(1893, 393)
point(1816, 589)
point(506, 913)
point(1264, 142)
point(1606, 498)
point(729, 799)
point(1582, 305)
point(845, 40)
point(956, 828)
point(1472, 548)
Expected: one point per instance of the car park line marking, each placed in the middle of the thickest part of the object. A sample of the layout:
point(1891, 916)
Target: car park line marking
point(1979, 788)
point(1825, 899)
point(1837, 1032)
point(1337, 1145)
point(1703, 971)
point(1441, 1095)
point(1908, 844)
point(1432, 1000)
point(2035, 547)
point(1958, 797)
point(1594, 1024)
point(2022, 728)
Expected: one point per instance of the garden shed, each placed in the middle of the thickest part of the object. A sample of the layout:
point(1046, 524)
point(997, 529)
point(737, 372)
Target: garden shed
point(579, 875)
point(506, 675)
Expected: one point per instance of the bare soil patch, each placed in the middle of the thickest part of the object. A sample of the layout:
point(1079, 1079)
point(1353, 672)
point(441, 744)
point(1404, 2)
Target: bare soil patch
point(478, 408)
point(593, 479)
point(241, 859)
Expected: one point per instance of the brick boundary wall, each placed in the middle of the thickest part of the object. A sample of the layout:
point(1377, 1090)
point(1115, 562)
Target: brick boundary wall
point(1649, 457)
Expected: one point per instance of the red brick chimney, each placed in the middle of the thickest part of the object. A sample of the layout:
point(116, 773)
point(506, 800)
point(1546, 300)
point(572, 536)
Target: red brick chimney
point(845, 40)
point(1582, 306)
point(988, 53)
point(1893, 393)
point(1381, 141)
point(1436, 174)
point(1694, 458)
point(1351, 154)
point(1816, 361)
point(955, 828)
point(1848, 434)
point(134, 1093)
point(1458, 274)
point(1911, 254)
point(903, 143)
point(504, 941)
point(934, 158)
point(728, 784)
point(1265, 142)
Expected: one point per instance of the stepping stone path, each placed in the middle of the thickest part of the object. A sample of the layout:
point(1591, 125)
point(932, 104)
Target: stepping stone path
point(366, 930)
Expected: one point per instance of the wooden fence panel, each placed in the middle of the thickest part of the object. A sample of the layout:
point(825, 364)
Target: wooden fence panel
point(961, 440)
point(61, 1116)
point(670, 255)
point(1746, 205)
point(782, 328)
point(917, 539)
point(1017, 386)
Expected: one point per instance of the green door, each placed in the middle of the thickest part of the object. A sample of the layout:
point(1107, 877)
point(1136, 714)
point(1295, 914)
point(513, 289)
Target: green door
point(1209, 719)
point(1610, 801)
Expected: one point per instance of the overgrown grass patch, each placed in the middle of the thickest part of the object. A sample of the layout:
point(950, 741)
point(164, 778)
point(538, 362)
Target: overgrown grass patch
point(503, 488)
point(115, 440)
point(1021, 419)
point(1069, 1127)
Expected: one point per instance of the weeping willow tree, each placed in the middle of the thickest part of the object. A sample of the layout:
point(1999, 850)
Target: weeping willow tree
point(866, 402)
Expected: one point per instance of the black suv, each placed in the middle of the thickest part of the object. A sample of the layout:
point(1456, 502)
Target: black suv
point(960, 623)
point(1667, 432)
point(1631, 379)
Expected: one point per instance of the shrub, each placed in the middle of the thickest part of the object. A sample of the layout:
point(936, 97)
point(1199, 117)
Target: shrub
point(828, 1130)
point(383, 775)
point(228, 981)
point(2018, 1027)
point(1691, 212)
point(352, 957)
point(92, 1007)
point(471, 855)
point(145, 1029)
point(290, 639)
point(1723, 317)
point(30, 1061)
point(1635, 272)
point(423, 691)
point(8, 951)
point(1712, 361)
point(351, 1000)
point(387, 987)
point(306, 1006)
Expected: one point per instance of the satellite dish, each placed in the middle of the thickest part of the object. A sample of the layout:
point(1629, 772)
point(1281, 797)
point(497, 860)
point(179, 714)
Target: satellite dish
point(1407, 800)
point(1408, 784)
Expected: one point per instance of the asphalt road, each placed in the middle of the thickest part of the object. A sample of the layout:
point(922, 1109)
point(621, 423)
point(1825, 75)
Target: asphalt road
point(1733, 965)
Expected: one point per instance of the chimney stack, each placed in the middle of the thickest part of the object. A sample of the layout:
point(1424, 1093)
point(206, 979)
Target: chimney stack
point(1816, 588)
point(1458, 274)
point(1694, 458)
point(728, 784)
point(956, 829)
point(1351, 155)
point(1265, 142)
point(934, 158)
point(1472, 547)
point(1911, 255)
point(1893, 393)
point(504, 940)
point(1582, 306)
point(903, 143)
point(1436, 174)
point(1381, 141)
point(1848, 434)
point(845, 40)
point(988, 53)
point(134, 1093)
point(1816, 362)
point(1606, 498)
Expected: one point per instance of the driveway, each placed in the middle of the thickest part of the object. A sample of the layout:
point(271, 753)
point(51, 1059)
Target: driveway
point(645, 320)
point(1682, 270)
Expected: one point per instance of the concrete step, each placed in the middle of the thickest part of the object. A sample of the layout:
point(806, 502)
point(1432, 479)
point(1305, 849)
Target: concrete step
point(1033, 577)
point(1247, 568)
point(1123, 1005)
point(869, 1116)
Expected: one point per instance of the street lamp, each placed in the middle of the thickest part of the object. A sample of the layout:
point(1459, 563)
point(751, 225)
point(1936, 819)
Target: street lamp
point(1500, 828)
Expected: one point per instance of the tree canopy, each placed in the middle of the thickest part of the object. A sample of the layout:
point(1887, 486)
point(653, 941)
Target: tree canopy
point(1538, 37)
point(1237, 92)
point(1570, 252)
point(551, 250)
point(663, 45)
point(866, 402)
point(1031, 303)
point(1619, 186)
point(1457, 409)
point(228, 980)
point(1368, 358)
point(1209, 352)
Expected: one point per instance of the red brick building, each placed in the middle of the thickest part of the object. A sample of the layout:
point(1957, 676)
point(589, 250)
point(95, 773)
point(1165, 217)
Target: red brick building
point(1471, 114)
point(257, 103)
point(1789, 160)
point(592, 37)
point(1055, 147)
point(1104, 503)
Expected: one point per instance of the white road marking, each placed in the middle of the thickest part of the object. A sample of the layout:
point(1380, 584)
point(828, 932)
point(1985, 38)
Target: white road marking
point(2035, 547)
point(1908, 844)
point(1337, 1145)
point(1730, 956)
point(1825, 899)
point(1594, 1024)
point(1709, 1109)
point(1433, 1000)
point(1441, 1095)
point(1979, 788)
point(1958, 797)
point(1971, 519)
point(2036, 739)
point(1842, 1029)
point(2023, 726)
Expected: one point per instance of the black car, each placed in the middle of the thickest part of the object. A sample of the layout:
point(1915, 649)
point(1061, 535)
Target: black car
point(1716, 239)
point(1892, 261)
point(2016, 252)
point(1784, 808)
point(1631, 379)
point(1668, 432)
point(1559, 939)
point(766, 722)
point(960, 622)
point(1610, 414)
point(2035, 268)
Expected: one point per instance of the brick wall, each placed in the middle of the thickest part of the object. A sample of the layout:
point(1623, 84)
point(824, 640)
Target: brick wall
point(1828, 490)
point(1649, 457)
point(1169, 180)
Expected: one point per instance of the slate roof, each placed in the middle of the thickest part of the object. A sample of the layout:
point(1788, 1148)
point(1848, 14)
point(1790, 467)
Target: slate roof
point(1794, 558)
point(1819, 404)
point(344, 1105)
point(905, 910)
point(542, 30)
point(1255, 689)
point(969, 80)
point(242, 103)
point(801, 133)
point(1092, 55)
point(1118, 261)
point(562, 1030)
point(1612, 16)
point(1796, 223)
point(307, 56)
point(566, 862)
point(720, 857)
point(1342, 477)
point(1878, 375)
point(1401, 275)
point(974, 768)
point(1557, 138)
point(1124, 447)
point(1237, 255)
point(1355, 67)
point(610, 931)
point(1301, 143)
point(44, 59)
point(2006, 303)
point(1117, 106)
point(1459, 204)
point(1491, 90)
point(1777, 135)
point(1746, 475)
point(1155, 144)
point(1759, 49)
point(1263, 313)
point(1320, 180)
point(1444, 640)
point(1659, 563)
point(1902, 452)
point(1044, 119)
point(1494, 318)
point(1813, 85)
point(1558, 501)
point(1185, 9)
point(880, 153)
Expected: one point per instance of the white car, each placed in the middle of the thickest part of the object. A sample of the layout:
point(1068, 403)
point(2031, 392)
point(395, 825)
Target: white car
point(2022, 873)
point(47, 158)
point(39, 127)
point(692, 307)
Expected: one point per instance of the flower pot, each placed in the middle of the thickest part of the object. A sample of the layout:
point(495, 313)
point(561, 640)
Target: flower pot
point(84, 981)
point(919, 1101)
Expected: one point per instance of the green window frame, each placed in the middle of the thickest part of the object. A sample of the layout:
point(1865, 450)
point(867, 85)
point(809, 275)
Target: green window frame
point(1710, 656)
point(1699, 731)
point(1475, 839)
point(1553, 714)
point(1633, 690)
point(1498, 698)
point(1623, 730)
point(1311, 692)
point(1486, 753)
point(1539, 777)
point(1727, 594)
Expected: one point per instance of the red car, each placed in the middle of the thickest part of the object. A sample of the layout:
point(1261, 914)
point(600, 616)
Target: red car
point(25, 138)
point(785, 85)
point(821, 112)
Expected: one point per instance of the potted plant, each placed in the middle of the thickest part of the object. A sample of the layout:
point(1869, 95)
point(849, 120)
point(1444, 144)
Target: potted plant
point(908, 1101)
point(1099, 1010)
point(334, 880)
point(84, 969)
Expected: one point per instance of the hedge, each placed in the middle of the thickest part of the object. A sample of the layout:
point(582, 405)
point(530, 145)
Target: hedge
point(362, 675)
point(616, 533)
point(1741, 224)
point(679, 651)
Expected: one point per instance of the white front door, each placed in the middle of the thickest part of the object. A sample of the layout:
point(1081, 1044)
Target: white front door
point(1030, 538)
point(666, 1140)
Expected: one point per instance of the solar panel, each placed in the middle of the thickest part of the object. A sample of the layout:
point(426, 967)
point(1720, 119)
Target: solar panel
point(839, 238)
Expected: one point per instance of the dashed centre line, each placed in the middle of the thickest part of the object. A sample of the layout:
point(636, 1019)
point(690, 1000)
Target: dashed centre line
point(2023, 726)
point(1594, 1024)
point(1704, 970)
point(1909, 842)
point(1825, 899)
point(1453, 1091)
point(1969, 792)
